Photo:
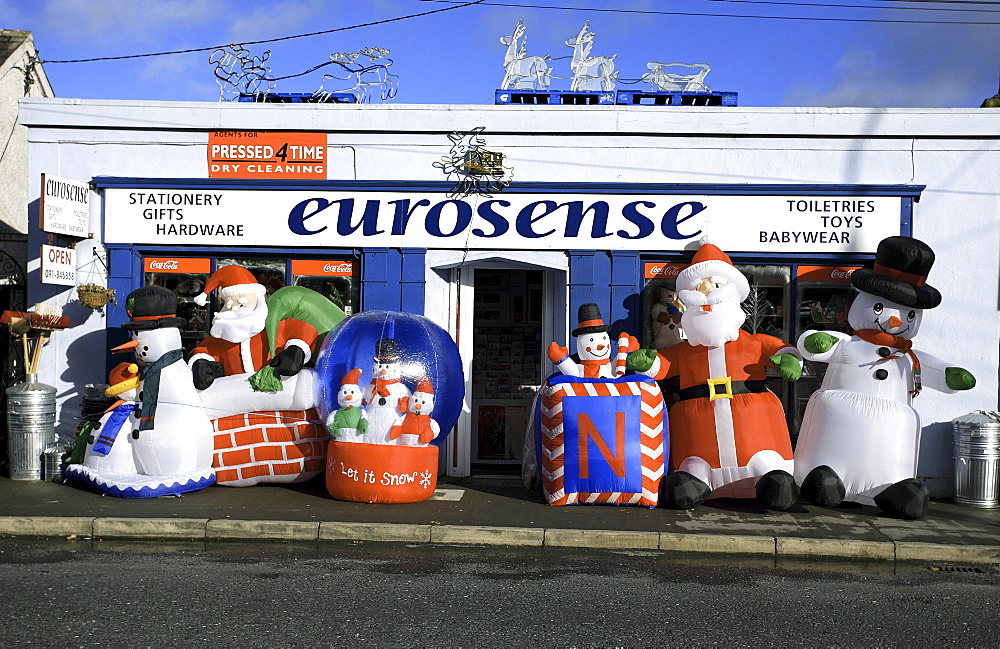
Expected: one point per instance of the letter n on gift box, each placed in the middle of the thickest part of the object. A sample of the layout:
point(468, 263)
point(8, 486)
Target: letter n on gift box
point(602, 440)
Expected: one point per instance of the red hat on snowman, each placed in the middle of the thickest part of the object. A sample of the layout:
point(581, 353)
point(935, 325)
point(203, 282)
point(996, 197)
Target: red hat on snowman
point(424, 385)
point(352, 377)
point(710, 261)
point(231, 280)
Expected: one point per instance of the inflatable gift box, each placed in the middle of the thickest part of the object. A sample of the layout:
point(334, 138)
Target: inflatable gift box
point(602, 441)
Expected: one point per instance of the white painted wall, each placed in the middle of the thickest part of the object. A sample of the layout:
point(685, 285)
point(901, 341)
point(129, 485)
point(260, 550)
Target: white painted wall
point(953, 151)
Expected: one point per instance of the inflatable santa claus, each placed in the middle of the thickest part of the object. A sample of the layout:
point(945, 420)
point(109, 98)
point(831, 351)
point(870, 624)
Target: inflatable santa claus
point(728, 436)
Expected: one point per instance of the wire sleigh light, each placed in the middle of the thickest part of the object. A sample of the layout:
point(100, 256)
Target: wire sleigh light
point(363, 74)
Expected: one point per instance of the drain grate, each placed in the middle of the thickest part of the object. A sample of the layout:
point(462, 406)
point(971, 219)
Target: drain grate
point(959, 569)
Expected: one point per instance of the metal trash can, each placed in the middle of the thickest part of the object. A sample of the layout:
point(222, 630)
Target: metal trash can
point(31, 426)
point(53, 458)
point(976, 452)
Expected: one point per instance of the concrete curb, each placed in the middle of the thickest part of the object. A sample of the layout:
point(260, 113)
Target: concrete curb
point(227, 529)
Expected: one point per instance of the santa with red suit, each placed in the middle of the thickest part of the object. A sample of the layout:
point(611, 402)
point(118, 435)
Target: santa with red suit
point(238, 346)
point(728, 436)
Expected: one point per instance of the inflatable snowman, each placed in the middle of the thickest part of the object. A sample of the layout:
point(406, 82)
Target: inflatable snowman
point(386, 397)
point(349, 422)
point(860, 436)
point(169, 437)
point(593, 348)
point(416, 426)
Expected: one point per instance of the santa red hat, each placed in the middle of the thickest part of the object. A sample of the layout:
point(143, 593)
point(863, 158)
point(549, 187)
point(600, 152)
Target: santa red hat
point(352, 377)
point(710, 261)
point(424, 385)
point(232, 280)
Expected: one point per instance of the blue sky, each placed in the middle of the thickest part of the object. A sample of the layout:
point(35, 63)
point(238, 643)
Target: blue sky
point(455, 57)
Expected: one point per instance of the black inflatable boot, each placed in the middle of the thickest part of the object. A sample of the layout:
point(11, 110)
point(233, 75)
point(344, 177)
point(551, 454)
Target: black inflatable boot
point(777, 489)
point(906, 499)
point(823, 487)
point(684, 491)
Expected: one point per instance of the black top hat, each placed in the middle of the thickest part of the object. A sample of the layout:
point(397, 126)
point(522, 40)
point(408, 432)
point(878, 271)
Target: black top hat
point(386, 350)
point(152, 307)
point(589, 318)
point(900, 273)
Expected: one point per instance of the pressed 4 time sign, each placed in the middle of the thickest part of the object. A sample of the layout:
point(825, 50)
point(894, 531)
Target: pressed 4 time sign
point(267, 154)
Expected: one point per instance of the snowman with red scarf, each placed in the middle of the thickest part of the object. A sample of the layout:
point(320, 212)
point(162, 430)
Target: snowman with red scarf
point(860, 436)
point(386, 398)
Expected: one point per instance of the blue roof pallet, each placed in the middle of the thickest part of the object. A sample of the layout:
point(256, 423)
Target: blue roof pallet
point(569, 97)
point(300, 98)
point(671, 98)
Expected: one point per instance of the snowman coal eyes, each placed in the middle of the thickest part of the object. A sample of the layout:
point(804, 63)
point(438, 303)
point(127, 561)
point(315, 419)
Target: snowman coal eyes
point(877, 308)
point(910, 316)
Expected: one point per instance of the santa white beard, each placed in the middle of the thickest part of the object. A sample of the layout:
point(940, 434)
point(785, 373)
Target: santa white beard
point(716, 327)
point(237, 327)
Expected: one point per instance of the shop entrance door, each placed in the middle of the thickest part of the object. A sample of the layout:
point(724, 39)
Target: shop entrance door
point(506, 364)
point(506, 307)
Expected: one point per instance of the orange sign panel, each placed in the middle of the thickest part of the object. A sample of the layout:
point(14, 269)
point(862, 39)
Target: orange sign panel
point(178, 265)
point(322, 267)
point(264, 154)
point(667, 270)
point(825, 273)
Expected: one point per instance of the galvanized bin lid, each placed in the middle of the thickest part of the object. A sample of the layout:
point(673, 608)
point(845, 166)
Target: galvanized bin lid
point(981, 420)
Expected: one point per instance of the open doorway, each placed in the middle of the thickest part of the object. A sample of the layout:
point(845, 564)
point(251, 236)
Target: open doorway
point(507, 367)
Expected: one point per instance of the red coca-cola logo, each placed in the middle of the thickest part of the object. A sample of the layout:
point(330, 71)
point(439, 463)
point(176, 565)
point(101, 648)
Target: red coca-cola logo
point(337, 268)
point(665, 270)
point(168, 264)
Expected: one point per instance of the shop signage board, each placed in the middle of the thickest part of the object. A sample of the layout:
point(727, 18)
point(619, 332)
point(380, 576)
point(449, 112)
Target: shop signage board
point(64, 206)
point(185, 265)
point(267, 155)
point(58, 266)
point(322, 267)
point(836, 274)
point(511, 221)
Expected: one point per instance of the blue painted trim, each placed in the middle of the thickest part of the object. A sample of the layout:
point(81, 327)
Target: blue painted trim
point(412, 268)
point(807, 189)
point(626, 301)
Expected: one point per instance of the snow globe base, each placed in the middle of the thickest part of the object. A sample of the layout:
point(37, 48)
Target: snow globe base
point(380, 473)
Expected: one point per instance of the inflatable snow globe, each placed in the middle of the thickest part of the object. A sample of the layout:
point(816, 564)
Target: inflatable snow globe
point(390, 389)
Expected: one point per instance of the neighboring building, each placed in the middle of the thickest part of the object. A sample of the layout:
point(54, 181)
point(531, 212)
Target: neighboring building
point(21, 75)
point(605, 205)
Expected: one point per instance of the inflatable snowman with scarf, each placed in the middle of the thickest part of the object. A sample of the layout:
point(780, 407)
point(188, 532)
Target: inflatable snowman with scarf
point(860, 437)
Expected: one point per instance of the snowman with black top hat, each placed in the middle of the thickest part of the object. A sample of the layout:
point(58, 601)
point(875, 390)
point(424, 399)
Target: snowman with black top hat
point(860, 436)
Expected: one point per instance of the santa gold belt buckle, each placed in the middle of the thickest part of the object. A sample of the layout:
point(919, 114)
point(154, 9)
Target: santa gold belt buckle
point(713, 390)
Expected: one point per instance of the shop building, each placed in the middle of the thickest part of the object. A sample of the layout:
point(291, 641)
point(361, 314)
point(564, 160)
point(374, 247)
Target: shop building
point(497, 222)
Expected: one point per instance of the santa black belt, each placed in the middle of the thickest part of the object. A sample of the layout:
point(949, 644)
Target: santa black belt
point(703, 391)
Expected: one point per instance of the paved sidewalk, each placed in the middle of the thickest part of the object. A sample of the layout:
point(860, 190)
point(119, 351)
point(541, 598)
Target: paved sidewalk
point(502, 512)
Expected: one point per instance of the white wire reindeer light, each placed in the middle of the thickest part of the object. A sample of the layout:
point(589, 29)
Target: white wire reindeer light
point(590, 72)
point(368, 77)
point(659, 79)
point(238, 72)
point(523, 72)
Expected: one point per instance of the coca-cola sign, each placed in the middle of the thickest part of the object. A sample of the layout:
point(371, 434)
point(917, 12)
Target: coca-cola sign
point(825, 273)
point(667, 270)
point(170, 264)
point(193, 265)
point(337, 269)
point(314, 267)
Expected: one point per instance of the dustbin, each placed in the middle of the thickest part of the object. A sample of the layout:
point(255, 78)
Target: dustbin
point(31, 426)
point(976, 452)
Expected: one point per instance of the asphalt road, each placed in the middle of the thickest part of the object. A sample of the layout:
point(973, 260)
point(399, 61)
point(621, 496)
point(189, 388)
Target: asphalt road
point(87, 593)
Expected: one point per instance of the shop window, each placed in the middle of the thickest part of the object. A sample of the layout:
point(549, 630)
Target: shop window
point(271, 273)
point(333, 278)
point(186, 277)
point(824, 299)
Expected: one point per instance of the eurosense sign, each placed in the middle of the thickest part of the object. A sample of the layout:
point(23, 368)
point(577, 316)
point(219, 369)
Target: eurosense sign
point(512, 221)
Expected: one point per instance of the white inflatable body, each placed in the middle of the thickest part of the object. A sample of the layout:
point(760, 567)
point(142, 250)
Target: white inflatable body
point(232, 395)
point(860, 422)
point(383, 412)
point(172, 458)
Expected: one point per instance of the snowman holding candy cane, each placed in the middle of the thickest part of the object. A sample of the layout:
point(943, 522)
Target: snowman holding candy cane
point(860, 436)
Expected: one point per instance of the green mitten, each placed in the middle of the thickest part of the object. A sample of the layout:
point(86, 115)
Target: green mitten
point(640, 360)
point(787, 365)
point(959, 379)
point(362, 426)
point(820, 342)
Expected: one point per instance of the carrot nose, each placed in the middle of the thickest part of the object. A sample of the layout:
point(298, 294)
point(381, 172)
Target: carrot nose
point(895, 322)
point(126, 347)
point(348, 397)
point(600, 347)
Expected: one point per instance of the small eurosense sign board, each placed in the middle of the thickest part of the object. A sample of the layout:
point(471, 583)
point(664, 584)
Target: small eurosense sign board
point(64, 206)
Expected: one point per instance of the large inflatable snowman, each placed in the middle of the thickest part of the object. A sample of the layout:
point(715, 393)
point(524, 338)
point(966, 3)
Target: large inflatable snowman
point(386, 398)
point(860, 436)
point(167, 448)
